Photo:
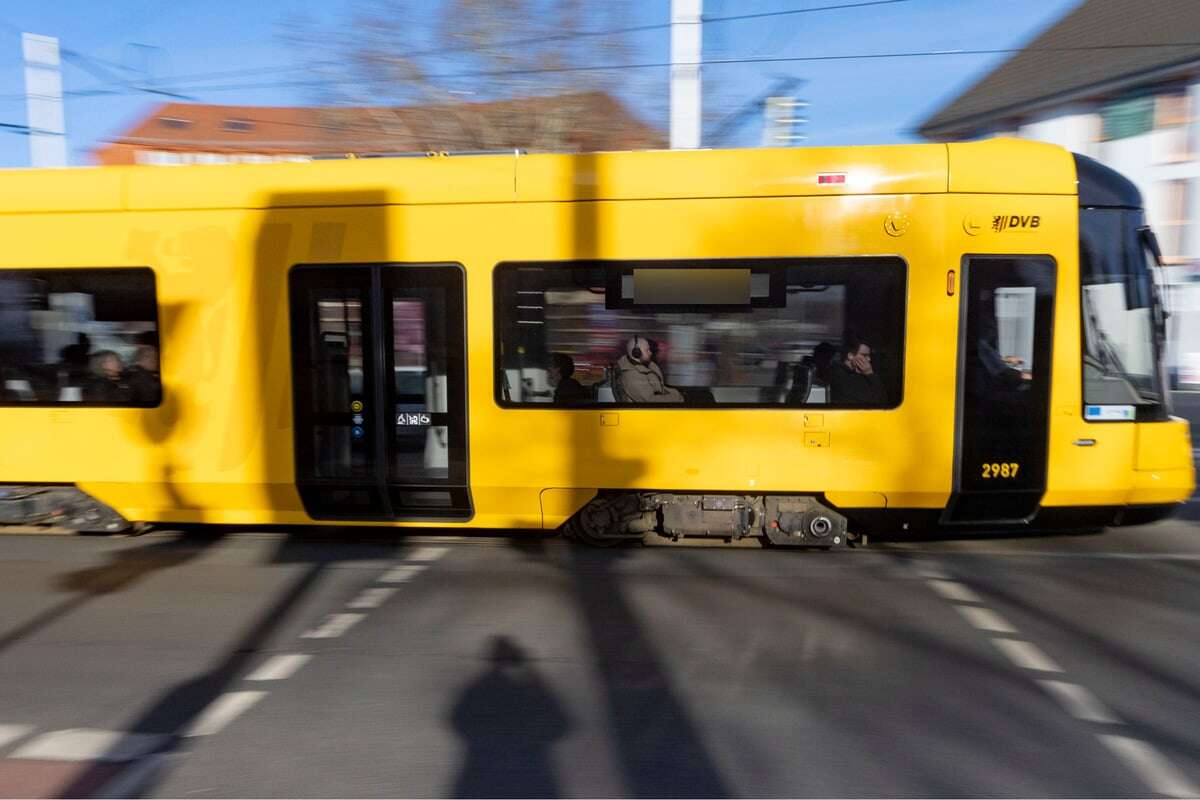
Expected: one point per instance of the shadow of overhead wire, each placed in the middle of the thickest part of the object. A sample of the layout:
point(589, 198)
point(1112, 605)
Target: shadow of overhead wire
point(318, 227)
point(125, 568)
point(172, 713)
point(660, 751)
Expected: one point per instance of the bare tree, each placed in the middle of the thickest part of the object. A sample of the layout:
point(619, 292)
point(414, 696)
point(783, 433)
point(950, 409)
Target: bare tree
point(462, 59)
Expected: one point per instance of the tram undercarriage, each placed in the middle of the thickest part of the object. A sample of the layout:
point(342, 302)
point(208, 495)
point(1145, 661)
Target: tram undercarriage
point(616, 518)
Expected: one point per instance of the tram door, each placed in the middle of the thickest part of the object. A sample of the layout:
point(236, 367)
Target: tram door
point(1003, 416)
point(379, 391)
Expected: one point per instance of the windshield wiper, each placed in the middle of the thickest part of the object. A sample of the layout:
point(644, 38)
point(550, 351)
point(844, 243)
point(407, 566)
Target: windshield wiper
point(1109, 361)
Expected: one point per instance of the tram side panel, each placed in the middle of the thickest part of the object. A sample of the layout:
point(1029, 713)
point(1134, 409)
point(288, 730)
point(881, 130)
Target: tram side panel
point(857, 458)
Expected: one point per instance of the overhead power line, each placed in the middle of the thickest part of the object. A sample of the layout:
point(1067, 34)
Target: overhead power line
point(554, 37)
point(707, 63)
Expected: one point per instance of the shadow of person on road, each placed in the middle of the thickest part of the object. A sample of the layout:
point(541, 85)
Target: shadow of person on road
point(509, 720)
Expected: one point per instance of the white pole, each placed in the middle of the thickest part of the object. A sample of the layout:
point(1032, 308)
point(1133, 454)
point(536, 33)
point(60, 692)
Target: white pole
point(43, 101)
point(686, 30)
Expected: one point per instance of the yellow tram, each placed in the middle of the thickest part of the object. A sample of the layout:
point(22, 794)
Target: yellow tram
point(794, 344)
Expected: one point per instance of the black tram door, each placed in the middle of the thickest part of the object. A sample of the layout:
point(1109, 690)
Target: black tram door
point(1003, 415)
point(379, 391)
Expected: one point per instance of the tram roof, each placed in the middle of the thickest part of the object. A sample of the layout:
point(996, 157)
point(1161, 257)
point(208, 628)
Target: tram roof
point(995, 166)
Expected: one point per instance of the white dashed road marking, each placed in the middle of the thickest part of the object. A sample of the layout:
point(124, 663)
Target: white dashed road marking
point(1079, 702)
point(932, 571)
point(1026, 655)
point(335, 625)
point(1158, 773)
point(985, 619)
point(88, 744)
point(11, 733)
point(402, 573)
point(1140, 757)
point(222, 711)
point(280, 667)
point(955, 591)
point(372, 598)
point(426, 554)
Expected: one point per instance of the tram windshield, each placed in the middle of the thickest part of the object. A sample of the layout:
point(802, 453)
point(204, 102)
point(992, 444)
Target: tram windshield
point(1123, 322)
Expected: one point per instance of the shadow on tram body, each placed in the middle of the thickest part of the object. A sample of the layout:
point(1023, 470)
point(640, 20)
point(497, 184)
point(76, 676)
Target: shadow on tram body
point(657, 745)
point(297, 227)
point(645, 712)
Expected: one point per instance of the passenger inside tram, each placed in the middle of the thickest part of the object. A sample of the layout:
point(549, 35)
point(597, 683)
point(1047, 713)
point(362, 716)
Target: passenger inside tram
point(781, 342)
point(640, 376)
point(853, 379)
point(67, 335)
point(567, 390)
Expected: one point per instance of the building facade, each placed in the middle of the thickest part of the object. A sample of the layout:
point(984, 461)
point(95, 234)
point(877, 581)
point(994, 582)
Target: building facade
point(189, 133)
point(1116, 81)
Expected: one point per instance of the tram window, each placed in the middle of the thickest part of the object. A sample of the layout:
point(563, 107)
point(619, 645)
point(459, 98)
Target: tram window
point(79, 337)
point(1122, 367)
point(721, 332)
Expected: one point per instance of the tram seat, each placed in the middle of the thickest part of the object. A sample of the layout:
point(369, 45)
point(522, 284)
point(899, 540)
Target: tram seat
point(793, 383)
point(800, 391)
point(613, 374)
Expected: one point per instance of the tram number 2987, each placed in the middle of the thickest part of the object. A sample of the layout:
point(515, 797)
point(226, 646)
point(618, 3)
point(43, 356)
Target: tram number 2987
point(1007, 469)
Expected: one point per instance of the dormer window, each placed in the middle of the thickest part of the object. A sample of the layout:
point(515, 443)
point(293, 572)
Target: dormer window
point(238, 125)
point(174, 122)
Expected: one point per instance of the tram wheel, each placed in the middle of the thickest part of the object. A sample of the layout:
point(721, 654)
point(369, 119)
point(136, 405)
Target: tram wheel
point(604, 522)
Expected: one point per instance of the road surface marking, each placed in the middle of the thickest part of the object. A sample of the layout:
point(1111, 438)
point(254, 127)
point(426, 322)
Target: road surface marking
point(1079, 702)
point(1141, 758)
point(10, 733)
point(372, 598)
point(278, 668)
point(222, 711)
point(132, 781)
point(427, 554)
point(1026, 655)
point(931, 571)
point(953, 590)
point(402, 573)
point(985, 619)
point(1158, 773)
point(88, 744)
point(335, 625)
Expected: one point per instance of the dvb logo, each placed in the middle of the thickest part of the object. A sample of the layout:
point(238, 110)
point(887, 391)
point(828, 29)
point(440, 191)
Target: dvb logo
point(1015, 222)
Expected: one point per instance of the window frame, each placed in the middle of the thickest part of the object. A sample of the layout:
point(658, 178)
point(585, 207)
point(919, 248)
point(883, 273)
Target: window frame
point(61, 404)
point(894, 260)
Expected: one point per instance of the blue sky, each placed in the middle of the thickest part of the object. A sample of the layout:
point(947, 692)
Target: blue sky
point(852, 101)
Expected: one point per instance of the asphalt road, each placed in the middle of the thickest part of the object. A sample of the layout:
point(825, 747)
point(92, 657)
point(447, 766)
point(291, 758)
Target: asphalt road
point(271, 666)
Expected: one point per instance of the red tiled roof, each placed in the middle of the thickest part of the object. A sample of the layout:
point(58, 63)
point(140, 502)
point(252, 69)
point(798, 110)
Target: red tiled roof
point(582, 122)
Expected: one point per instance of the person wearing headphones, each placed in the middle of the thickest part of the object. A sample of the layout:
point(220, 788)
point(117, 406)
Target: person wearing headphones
point(641, 378)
